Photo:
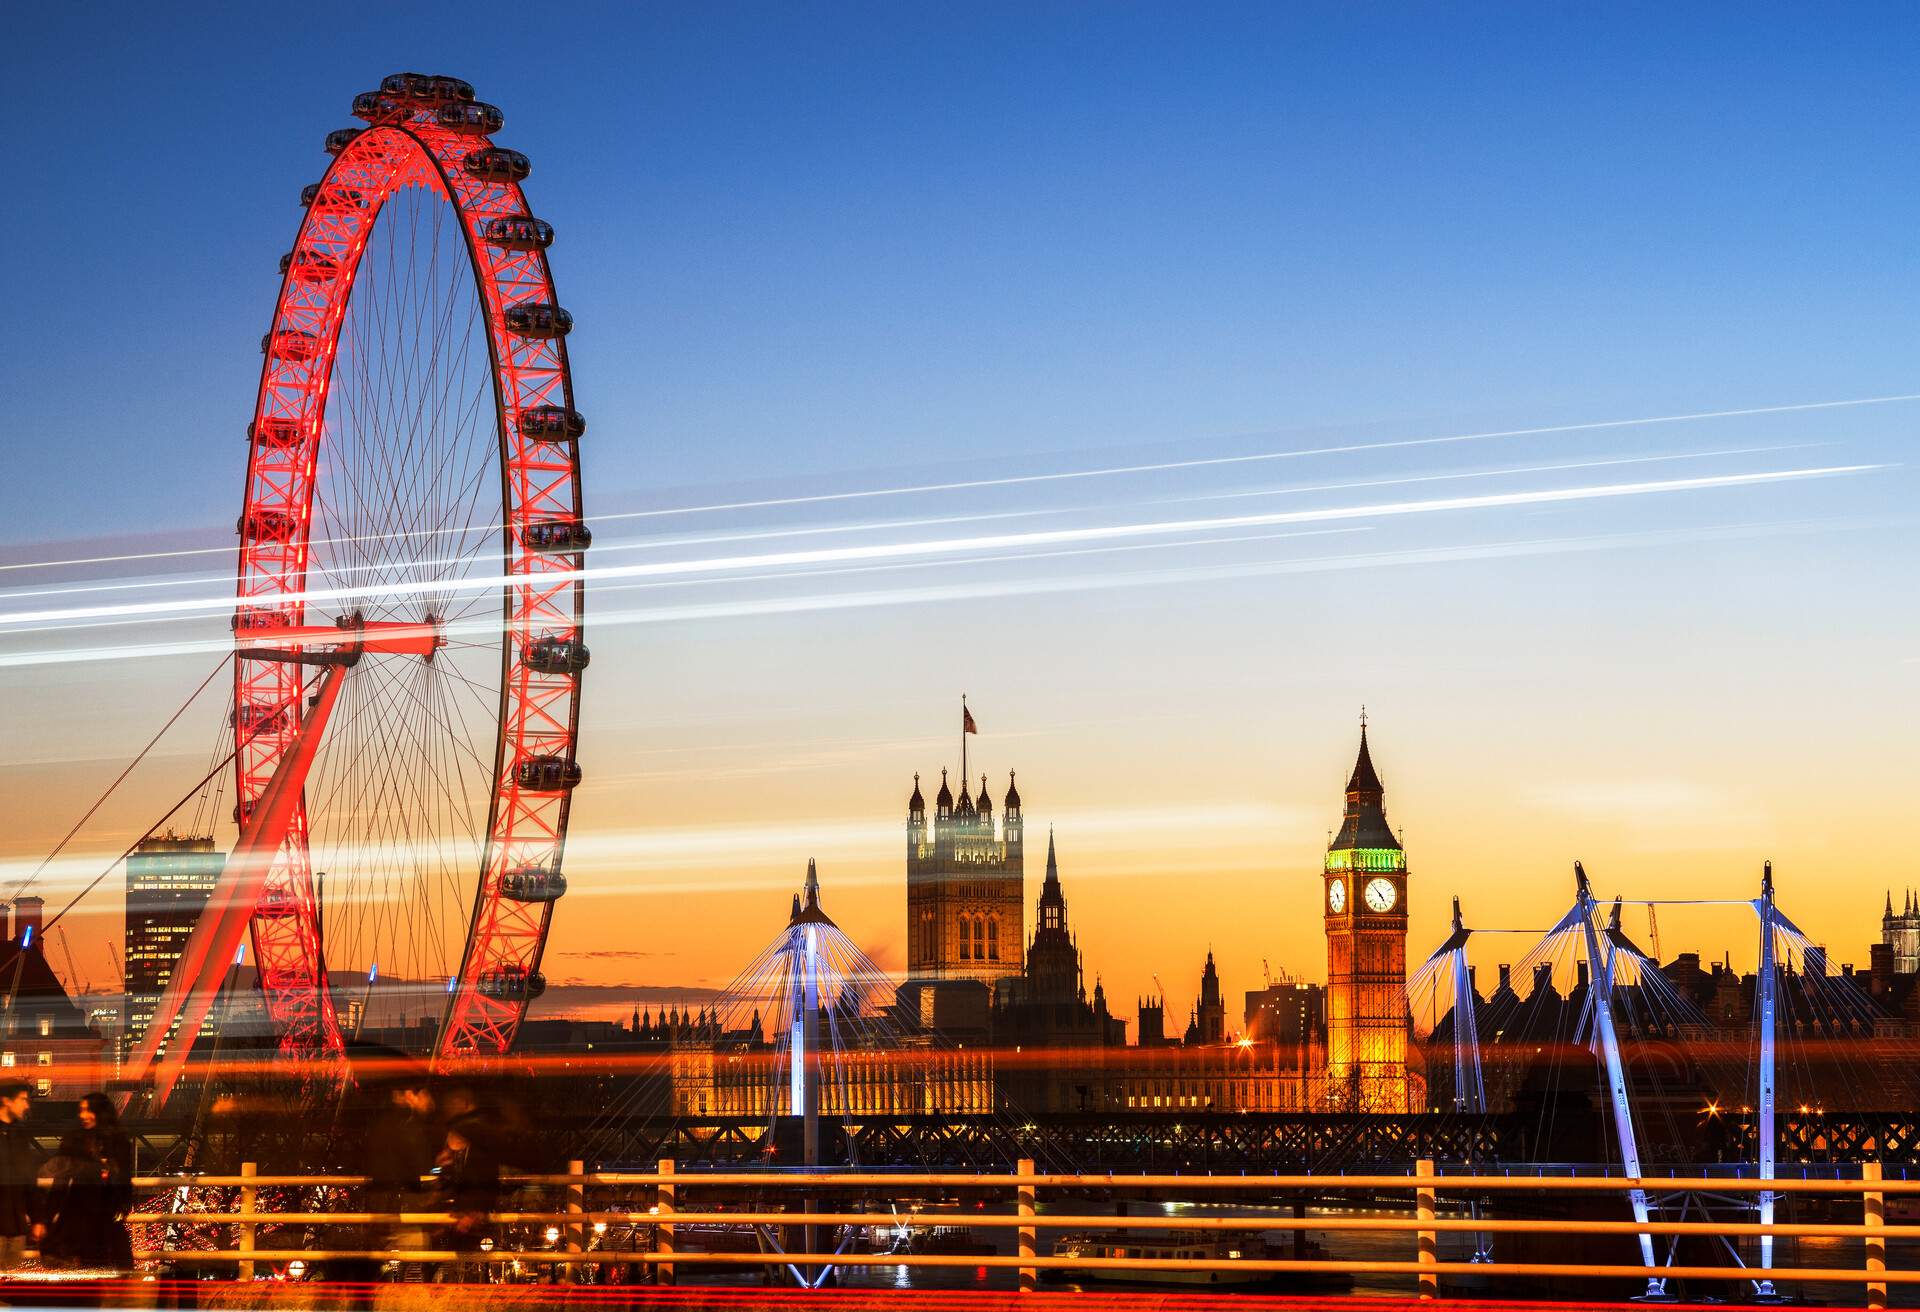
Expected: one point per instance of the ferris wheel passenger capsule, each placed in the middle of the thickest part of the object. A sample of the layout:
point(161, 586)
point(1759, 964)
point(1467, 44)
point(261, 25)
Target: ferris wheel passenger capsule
point(428, 87)
point(290, 344)
point(255, 718)
point(511, 984)
point(340, 138)
point(277, 433)
point(557, 536)
point(538, 319)
point(518, 232)
point(564, 656)
point(474, 118)
point(497, 164)
point(376, 106)
point(552, 423)
point(276, 906)
point(266, 524)
point(309, 266)
point(533, 884)
point(547, 774)
point(338, 196)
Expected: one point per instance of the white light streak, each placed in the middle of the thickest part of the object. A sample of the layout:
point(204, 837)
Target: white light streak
point(947, 547)
point(754, 608)
point(423, 571)
point(1068, 475)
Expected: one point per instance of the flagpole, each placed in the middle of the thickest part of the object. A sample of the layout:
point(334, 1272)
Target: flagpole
point(963, 742)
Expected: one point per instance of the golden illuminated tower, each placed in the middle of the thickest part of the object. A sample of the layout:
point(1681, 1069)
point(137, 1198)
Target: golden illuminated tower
point(965, 900)
point(1366, 921)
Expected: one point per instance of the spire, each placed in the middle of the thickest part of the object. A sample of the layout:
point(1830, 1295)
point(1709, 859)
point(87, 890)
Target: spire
point(1364, 778)
point(965, 805)
point(916, 805)
point(1051, 922)
point(1364, 824)
point(1888, 913)
point(1013, 793)
point(809, 912)
point(986, 801)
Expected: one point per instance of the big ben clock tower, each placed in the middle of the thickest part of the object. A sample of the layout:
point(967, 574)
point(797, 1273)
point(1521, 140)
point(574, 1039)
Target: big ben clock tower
point(1365, 905)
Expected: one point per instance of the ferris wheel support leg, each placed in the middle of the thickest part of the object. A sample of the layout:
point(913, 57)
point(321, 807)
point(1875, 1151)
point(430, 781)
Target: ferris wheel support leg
point(209, 951)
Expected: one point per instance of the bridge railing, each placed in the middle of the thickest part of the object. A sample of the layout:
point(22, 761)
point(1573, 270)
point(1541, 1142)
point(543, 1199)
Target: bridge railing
point(589, 1208)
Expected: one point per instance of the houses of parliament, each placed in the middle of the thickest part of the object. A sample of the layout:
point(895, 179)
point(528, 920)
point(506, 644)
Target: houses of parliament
point(975, 973)
point(998, 1013)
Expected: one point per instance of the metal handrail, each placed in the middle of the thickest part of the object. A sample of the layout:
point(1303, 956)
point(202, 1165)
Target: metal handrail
point(1060, 1221)
point(1423, 1187)
point(1106, 1180)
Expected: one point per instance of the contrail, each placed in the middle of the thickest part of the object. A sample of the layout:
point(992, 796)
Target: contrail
point(490, 627)
point(1068, 475)
point(601, 549)
point(952, 546)
point(1256, 457)
point(696, 612)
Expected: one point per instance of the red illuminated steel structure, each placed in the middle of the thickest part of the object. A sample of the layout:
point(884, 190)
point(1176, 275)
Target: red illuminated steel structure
point(422, 132)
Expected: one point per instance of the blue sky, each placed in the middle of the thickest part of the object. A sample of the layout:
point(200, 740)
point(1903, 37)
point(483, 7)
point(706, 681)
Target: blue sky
point(814, 248)
point(805, 241)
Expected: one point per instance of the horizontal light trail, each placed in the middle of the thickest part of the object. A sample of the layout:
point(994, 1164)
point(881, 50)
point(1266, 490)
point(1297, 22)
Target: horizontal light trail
point(487, 628)
point(414, 571)
point(724, 610)
point(1168, 466)
point(767, 847)
point(719, 565)
point(1106, 472)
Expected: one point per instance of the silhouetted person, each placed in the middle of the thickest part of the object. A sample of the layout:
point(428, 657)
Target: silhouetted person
point(468, 1167)
point(90, 1191)
point(20, 1202)
point(399, 1148)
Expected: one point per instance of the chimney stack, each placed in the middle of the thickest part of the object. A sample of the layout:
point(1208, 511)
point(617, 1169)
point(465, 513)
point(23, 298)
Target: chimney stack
point(1879, 967)
point(28, 911)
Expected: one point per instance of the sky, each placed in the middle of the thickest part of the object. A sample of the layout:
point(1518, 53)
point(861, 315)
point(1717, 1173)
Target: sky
point(1119, 338)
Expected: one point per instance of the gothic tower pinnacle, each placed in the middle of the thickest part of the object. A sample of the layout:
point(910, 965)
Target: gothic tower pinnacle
point(1364, 908)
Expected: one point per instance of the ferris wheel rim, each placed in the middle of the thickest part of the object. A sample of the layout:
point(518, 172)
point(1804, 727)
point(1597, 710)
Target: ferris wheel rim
point(402, 152)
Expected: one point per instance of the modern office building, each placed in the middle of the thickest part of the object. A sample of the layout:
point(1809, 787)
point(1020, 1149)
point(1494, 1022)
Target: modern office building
point(169, 880)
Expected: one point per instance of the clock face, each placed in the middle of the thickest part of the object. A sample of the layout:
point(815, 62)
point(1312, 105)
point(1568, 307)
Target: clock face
point(1337, 896)
point(1380, 894)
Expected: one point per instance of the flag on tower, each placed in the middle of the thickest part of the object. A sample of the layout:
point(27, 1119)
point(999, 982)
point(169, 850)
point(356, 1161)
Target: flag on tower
point(966, 720)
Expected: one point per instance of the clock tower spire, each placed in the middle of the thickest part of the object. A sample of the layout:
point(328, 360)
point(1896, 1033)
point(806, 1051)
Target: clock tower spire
point(1365, 906)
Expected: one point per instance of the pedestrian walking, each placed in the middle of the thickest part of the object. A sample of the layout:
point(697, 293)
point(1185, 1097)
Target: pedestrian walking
point(89, 1184)
point(396, 1152)
point(468, 1171)
point(20, 1212)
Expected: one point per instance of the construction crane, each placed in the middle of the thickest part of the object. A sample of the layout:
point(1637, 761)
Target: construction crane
point(73, 972)
point(1266, 972)
point(1653, 932)
point(120, 971)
